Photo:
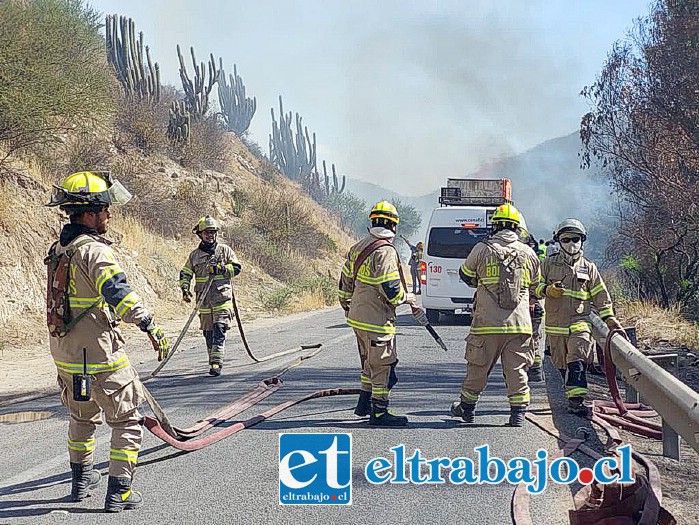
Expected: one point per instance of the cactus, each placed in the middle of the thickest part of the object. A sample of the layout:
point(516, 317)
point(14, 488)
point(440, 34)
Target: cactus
point(236, 109)
point(293, 154)
point(321, 190)
point(179, 126)
point(197, 93)
point(125, 55)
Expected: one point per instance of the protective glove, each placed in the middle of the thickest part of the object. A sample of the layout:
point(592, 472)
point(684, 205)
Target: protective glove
point(410, 298)
point(186, 295)
point(555, 290)
point(613, 323)
point(218, 269)
point(156, 336)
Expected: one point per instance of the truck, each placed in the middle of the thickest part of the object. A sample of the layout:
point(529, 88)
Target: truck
point(462, 220)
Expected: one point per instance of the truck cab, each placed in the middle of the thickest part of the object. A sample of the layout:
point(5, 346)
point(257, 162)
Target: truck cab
point(460, 222)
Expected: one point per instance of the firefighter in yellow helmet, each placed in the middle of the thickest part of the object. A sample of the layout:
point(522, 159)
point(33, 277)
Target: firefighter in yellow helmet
point(371, 287)
point(505, 272)
point(87, 296)
point(414, 263)
point(217, 262)
point(572, 284)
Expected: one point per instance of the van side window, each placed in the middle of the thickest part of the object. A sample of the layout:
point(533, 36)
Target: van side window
point(454, 243)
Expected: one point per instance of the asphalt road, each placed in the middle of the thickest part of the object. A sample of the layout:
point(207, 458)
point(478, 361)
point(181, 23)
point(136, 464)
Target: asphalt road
point(237, 480)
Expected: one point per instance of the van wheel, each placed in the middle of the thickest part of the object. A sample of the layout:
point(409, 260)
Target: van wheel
point(432, 316)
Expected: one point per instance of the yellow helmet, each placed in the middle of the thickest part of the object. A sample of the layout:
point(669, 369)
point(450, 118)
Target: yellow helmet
point(507, 213)
point(86, 190)
point(206, 223)
point(384, 210)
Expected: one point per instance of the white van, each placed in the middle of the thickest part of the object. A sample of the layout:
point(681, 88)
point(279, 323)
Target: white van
point(452, 233)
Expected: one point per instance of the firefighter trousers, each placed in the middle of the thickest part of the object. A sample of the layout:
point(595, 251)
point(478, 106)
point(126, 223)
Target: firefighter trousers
point(483, 351)
point(216, 342)
point(377, 354)
point(117, 395)
point(573, 353)
point(538, 341)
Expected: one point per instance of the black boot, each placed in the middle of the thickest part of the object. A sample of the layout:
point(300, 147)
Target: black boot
point(577, 407)
point(517, 413)
point(215, 369)
point(536, 374)
point(563, 373)
point(363, 404)
point(84, 479)
point(466, 411)
point(382, 416)
point(120, 496)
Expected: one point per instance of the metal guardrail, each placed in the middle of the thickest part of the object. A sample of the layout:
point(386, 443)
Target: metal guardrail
point(676, 402)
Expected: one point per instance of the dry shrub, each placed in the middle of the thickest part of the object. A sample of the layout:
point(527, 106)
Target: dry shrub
point(142, 126)
point(207, 149)
point(659, 324)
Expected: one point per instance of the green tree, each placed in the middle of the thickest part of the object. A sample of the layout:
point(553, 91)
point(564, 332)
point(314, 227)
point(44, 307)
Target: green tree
point(352, 211)
point(54, 78)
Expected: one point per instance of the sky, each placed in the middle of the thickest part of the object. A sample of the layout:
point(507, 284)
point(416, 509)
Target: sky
point(399, 93)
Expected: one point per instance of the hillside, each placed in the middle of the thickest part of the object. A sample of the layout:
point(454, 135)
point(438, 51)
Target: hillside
point(153, 237)
point(548, 186)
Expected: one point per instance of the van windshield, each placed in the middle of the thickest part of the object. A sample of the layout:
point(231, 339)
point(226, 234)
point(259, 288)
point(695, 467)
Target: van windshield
point(454, 243)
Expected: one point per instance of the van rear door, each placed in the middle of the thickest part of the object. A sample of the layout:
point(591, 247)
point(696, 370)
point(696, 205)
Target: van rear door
point(447, 248)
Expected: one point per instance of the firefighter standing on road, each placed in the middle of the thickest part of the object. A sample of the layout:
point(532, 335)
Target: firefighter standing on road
point(505, 272)
point(218, 262)
point(571, 283)
point(87, 295)
point(414, 263)
point(371, 287)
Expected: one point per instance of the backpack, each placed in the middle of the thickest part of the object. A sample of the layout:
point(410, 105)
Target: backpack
point(58, 316)
point(508, 291)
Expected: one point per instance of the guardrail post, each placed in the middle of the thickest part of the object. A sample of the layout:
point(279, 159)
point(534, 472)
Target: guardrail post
point(630, 393)
point(671, 442)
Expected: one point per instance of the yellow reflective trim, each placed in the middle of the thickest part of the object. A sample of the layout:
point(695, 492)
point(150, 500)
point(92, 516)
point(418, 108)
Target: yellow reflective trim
point(557, 330)
point(127, 302)
point(228, 305)
point(344, 295)
point(84, 302)
point(582, 326)
point(187, 270)
point(467, 271)
point(489, 280)
point(81, 446)
point(380, 391)
point(484, 330)
point(606, 312)
point(105, 275)
point(130, 456)
point(597, 289)
point(540, 290)
point(519, 398)
point(393, 276)
point(470, 396)
point(576, 294)
point(204, 310)
point(202, 279)
point(398, 298)
point(375, 328)
point(576, 391)
point(93, 368)
point(365, 379)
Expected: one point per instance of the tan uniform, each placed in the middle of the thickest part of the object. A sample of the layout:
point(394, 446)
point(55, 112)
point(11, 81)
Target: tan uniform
point(370, 303)
point(568, 325)
point(216, 311)
point(97, 284)
point(498, 331)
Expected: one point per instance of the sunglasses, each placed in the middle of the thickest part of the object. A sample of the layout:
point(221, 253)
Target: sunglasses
point(570, 239)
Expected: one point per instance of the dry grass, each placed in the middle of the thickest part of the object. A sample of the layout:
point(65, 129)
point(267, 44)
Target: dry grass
point(658, 324)
point(308, 300)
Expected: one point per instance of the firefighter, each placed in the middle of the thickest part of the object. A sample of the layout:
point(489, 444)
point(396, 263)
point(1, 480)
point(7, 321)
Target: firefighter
point(505, 272)
point(371, 287)
point(571, 284)
point(414, 263)
point(217, 262)
point(88, 294)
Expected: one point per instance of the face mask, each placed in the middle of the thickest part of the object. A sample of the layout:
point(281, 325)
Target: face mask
point(572, 248)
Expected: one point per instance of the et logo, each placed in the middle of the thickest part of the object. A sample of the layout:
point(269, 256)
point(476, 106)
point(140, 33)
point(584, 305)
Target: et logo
point(315, 469)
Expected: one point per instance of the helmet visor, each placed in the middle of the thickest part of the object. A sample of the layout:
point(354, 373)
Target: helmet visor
point(118, 194)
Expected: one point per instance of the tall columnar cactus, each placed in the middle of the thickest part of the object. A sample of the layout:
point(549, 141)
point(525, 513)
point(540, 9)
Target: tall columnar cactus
point(197, 93)
point(321, 189)
point(236, 109)
point(291, 151)
point(125, 55)
point(178, 128)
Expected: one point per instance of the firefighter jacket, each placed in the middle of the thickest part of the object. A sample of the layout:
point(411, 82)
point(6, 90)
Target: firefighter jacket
point(415, 255)
point(371, 300)
point(584, 287)
point(502, 266)
point(220, 296)
point(96, 287)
